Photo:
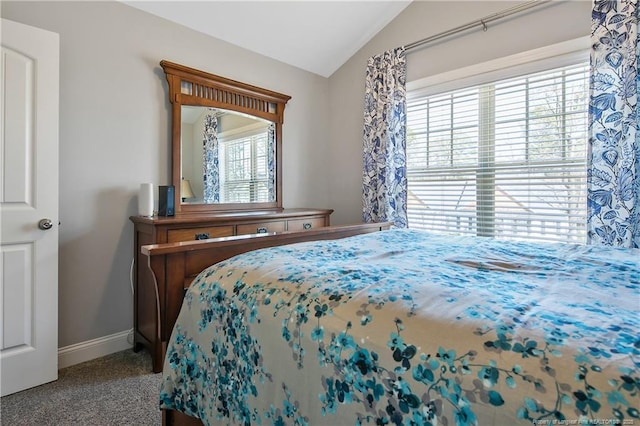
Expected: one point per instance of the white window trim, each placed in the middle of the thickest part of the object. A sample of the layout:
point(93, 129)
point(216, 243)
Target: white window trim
point(553, 56)
point(243, 132)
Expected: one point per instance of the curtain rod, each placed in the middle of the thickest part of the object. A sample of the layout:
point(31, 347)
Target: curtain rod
point(480, 22)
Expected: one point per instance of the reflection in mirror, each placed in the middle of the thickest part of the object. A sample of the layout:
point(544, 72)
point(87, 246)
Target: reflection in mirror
point(227, 157)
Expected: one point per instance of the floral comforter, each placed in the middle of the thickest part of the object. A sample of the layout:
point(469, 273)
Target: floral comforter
point(409, 328)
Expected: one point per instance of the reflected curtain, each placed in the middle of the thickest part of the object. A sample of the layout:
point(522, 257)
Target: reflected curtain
point(271, 161)
point(613, 173)
point(384, 186)
point(211, 167)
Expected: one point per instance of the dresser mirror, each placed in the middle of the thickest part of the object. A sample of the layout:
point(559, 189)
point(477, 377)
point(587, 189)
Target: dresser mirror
point(226, 142)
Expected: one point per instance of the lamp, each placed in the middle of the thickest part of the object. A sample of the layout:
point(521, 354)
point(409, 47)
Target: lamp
point(185, 189)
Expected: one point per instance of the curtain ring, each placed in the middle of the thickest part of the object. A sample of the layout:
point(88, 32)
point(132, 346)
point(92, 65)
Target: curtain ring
point(484, 26)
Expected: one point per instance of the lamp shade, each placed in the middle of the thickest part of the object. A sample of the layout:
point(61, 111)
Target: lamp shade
point(185, 189)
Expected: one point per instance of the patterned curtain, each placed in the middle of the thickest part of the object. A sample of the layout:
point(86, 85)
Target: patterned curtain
point(211, 169)
point(613, 173)
point(271, 161)
point(384, 177)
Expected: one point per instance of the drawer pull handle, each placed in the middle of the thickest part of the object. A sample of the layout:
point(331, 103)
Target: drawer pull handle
point(261, 230)
point(202, 236)
point(306, 226)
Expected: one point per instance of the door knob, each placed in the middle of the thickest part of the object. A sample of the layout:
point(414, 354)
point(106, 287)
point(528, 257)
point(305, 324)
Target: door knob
point(45, 224)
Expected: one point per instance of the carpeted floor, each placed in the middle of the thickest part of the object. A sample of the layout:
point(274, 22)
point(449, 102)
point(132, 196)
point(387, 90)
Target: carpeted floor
point(119, 389)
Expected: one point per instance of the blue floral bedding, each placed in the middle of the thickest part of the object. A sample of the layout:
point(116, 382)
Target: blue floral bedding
point(409, 328)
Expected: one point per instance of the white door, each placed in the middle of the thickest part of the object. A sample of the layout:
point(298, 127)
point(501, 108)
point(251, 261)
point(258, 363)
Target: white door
point(29, 75)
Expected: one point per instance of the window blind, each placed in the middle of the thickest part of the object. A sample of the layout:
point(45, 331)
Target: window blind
point(505, 159)
point(245, 176)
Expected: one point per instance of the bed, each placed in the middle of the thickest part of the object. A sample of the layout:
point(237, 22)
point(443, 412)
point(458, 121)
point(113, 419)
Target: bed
point(406, 327)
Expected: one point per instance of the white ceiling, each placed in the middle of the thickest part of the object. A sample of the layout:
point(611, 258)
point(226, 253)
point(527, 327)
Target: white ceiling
point(317, 36)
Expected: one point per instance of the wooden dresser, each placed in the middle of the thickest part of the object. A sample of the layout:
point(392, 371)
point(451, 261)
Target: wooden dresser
point(149, 307)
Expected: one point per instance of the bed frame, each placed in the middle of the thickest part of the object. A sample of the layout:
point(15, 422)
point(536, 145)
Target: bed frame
point(175, 265)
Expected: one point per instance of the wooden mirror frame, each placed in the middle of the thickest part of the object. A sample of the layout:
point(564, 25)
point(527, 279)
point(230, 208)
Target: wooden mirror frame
point(188, 86)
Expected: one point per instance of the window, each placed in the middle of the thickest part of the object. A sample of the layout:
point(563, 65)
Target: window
point(244, 169)
point(504, 159)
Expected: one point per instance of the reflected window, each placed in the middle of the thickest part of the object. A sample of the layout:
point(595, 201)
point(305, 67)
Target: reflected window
point(244, 170)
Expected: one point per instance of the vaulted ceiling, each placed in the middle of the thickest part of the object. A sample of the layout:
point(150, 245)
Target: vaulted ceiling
point(317, 36)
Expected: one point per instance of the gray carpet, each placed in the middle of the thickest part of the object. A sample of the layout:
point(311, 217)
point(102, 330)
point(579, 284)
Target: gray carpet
point(119, 389)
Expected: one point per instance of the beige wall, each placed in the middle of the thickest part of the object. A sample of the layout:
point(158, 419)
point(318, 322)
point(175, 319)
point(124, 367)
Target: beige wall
point(114, 122)
point(550, 24)
point(114, 135)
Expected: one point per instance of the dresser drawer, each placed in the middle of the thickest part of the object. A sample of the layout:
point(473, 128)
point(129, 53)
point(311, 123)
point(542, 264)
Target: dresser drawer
point(198, 233)
point(261, 227)
point(304, 224)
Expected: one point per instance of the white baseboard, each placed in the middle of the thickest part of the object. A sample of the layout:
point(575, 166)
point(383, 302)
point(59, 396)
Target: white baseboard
point(92, 349)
